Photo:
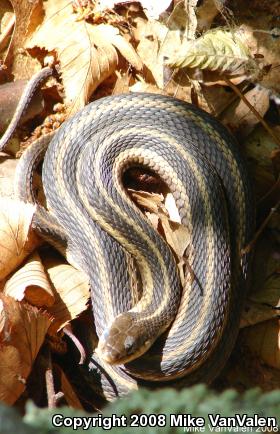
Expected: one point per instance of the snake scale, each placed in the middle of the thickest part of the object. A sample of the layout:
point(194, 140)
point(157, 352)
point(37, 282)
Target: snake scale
point(168, 335)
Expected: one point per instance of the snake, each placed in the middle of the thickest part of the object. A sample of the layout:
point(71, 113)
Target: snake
point(168, 333)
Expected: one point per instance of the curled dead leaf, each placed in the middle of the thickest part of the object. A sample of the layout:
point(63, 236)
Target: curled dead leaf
point(264, 341)
point(17, 240)
point(31, 282)
point(23, 330)
point(71, 290)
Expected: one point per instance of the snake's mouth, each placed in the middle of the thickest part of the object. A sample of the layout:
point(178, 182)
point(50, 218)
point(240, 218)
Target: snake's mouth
point(112, 355)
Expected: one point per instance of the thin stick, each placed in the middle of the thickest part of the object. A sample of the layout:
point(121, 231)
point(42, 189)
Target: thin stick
point(53, 397)
point(50, 385)
point(261, 228)
point(254, 111)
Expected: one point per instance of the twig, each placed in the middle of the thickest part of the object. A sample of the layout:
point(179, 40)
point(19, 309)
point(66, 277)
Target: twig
point(53, 397)
point(273, 210)
point(254, 111)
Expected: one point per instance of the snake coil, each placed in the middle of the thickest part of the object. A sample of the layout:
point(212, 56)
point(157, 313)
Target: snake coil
point(169, 335)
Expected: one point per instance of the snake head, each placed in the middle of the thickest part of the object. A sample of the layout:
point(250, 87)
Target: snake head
point(123, 341)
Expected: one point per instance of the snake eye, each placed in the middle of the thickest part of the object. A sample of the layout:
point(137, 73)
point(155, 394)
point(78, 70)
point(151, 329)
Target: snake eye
point(123, 341)
point(129, 343)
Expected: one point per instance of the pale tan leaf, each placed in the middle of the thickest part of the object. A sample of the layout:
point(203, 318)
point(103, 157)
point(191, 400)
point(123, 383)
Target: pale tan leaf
point(264, 341)
point(17, 240)
point(23, 330)
point(216, 50)
point(240, 118)
point(141, 86)
point(153, 218)
point(87, 53)
point(31, 282)
point(7, 173)
point(71, 288)
point(206, 12)
point(149, 201)
point(158, 41)
point(177, 235)
point(105, 34)
point(255, 313)
point(23, 66)
point(265, 42)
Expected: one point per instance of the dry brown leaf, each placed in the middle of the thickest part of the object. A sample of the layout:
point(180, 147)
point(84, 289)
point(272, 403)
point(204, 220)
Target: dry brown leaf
point(23, 66)
point(17, 240)
point(7, 173)
point(149, 201)
point(264, 42)
point(150, 35)
point(158, 41)
point(217, 98)
point(264, 341)
point(240, 118)
point(122, 83)
point(258, 149)
point(206, 12)
point(87, 53)
point(30, 282)
point(23, 330)
point(183, 18)
point(71, 289)
point(176, 235)
point(255, 313)
point(142, 86)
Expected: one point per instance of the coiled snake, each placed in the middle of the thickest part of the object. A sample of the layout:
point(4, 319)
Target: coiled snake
point(183, 336)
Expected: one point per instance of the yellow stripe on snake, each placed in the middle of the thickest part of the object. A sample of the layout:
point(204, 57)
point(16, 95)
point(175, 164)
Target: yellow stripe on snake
point(170, 336)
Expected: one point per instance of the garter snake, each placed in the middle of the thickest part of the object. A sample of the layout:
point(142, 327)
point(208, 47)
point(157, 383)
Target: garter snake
point(183, 336)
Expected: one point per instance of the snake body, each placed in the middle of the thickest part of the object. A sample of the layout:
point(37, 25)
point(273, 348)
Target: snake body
point(182, 336)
